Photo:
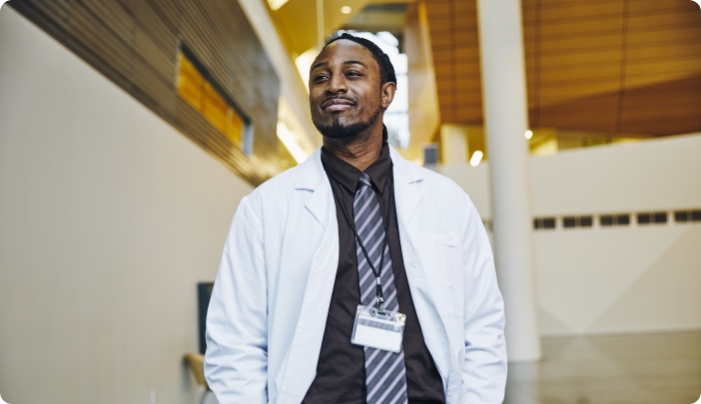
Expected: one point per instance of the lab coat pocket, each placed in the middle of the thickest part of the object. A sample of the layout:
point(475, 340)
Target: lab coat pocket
point(442, 260)
point(450, 258)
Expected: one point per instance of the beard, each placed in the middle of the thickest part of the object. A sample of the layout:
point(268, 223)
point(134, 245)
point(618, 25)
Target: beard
point(338, 131)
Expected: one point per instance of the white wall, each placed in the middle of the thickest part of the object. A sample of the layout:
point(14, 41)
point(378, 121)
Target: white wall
point(612, 280)
point(108, 219)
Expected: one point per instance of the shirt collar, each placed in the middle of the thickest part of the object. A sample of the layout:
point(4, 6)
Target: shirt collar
point(348, 176)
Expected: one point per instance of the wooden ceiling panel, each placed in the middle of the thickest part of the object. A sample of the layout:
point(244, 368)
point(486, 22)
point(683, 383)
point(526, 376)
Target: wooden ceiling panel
point(464, 22)
point(442, 39)
point(662, 67)
point(671, 51)
point(601, 65)
point(469, 99)
point(441, 9)
point(467, 54)
point(608, 23)
point(559, 44)
point(662, 6)
point(679, 34)
point(472, 74)
point(576, 58)
point(578, 11)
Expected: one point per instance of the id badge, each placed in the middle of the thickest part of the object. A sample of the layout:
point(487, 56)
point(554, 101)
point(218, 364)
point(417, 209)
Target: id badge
point(378, 330)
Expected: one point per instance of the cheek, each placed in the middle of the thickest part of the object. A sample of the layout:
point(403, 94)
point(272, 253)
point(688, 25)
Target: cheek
point(371, 102)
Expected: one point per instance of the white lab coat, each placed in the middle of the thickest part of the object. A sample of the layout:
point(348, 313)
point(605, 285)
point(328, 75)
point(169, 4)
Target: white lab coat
point(271, 296)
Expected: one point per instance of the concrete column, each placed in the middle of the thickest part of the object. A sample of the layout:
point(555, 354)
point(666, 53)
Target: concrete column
point(506, 120)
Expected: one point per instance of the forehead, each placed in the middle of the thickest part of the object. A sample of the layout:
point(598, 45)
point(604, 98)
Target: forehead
point(344, 50)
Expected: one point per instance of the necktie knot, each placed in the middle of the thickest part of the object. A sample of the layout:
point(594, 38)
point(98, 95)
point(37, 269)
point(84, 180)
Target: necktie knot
point(364, 180)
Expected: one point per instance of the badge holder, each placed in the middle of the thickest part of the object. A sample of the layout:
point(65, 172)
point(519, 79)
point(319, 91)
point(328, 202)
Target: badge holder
point(378, 329)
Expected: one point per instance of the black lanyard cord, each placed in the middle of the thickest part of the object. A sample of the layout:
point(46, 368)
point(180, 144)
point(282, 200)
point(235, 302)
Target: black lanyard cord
point(376, 272)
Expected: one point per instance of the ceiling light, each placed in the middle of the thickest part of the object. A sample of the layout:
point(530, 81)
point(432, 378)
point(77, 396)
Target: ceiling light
point(529, 134)
point(346, 10)
point(304, 64)
point(276, 4)
point(287, 137)
point(476, 158)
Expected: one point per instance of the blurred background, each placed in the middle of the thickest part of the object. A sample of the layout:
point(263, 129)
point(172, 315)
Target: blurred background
point(131, 129)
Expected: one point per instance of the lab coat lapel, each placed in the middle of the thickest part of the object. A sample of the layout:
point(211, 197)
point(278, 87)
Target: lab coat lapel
point(312, 178)
point(424, 290)
point(299, 369)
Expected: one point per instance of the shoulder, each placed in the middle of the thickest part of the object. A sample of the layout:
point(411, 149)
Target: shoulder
point(279, 190)
point(433, 185)
point(443, 202)
point(279, 184)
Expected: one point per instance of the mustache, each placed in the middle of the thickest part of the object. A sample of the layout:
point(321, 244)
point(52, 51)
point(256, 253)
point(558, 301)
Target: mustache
point(329, 100)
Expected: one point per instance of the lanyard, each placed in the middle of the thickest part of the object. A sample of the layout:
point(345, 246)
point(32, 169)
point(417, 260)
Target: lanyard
point(376, 271)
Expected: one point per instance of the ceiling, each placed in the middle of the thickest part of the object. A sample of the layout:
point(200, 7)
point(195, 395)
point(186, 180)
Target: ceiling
point(297, 20)
point(616, 66)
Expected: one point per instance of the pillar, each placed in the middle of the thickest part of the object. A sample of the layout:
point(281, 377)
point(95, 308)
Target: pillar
point(506, 120)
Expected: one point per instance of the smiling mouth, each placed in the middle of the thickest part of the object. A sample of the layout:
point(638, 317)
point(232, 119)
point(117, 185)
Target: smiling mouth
point(337, 104)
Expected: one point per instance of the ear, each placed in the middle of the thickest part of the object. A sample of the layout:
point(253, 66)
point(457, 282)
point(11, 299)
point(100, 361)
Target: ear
point(387, 94)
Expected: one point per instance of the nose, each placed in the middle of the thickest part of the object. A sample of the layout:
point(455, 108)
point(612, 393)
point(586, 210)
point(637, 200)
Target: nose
point(337, 84)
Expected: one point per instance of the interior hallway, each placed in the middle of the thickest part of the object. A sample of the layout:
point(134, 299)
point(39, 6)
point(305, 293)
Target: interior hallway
point(621, 369)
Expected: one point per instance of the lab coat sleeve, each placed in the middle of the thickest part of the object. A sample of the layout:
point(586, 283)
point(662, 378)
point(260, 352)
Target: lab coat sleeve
point(484, 370)
point(236, 360)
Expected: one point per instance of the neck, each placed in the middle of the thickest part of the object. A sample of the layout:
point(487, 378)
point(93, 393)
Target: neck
point(361, 150)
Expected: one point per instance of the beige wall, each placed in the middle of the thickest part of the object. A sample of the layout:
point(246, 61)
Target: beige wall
point(612, 280)
point(108, 219)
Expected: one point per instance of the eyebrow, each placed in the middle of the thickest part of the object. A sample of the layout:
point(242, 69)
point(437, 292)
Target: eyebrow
point(347, 62)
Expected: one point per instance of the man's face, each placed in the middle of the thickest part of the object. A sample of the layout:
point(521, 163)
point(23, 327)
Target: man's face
point(345, 94)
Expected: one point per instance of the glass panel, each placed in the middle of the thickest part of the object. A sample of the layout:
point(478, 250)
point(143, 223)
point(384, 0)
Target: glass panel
point(681, 216)
point(623, 220)
point(568, 222)
point(660, 217)
point(643, 218)
point(585, 221)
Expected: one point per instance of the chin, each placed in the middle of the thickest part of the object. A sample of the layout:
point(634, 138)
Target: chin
point(342, 127)
point(342, 130)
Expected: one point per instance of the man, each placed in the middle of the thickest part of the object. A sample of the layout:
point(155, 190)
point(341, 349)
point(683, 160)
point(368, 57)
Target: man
point(356, 276)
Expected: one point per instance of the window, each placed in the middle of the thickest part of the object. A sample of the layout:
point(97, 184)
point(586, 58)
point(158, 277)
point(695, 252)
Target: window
point(655, 217)
point(544, 223)
point(569, 222)
point(683, 216)
point(196, 86)
point(622, 219)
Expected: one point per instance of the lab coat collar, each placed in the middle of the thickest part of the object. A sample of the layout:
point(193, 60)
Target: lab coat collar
point(312, 177)
point(407, 196)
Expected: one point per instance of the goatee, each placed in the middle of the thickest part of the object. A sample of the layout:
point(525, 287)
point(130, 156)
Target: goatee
point(338, 131)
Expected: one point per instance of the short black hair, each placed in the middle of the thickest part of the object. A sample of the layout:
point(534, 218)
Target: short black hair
point(387, 74)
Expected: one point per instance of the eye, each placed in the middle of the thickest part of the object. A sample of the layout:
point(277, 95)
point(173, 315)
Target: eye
point(353, 74)
point(320, 77)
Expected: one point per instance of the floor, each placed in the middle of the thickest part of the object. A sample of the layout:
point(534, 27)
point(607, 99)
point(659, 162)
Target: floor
point(635, 369)
point(623, 369)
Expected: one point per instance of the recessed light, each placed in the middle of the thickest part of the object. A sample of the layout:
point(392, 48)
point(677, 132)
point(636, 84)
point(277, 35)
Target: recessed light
point(276, 4)
point(476, 158)
point(346, 9)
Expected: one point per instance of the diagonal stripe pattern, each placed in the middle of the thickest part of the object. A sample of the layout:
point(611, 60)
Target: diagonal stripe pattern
point(385, 373)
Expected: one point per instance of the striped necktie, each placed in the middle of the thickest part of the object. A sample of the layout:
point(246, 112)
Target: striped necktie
point(385, 373)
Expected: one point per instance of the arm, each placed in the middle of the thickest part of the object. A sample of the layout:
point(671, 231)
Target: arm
point(484, 370)
point(236, 360)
